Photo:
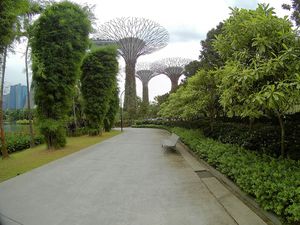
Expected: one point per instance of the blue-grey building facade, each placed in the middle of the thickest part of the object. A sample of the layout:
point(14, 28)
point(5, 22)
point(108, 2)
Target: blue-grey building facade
point(16, 98)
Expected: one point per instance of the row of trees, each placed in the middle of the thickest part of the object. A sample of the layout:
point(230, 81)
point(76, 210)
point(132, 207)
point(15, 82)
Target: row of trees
point(15, 19)
point(254, 72)
point(59, 40)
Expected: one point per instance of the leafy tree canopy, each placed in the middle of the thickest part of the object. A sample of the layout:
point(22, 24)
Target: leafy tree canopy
point(198, 97)
point(296, 10)
point(209, 57)
point(9, 12)
point(261, 76)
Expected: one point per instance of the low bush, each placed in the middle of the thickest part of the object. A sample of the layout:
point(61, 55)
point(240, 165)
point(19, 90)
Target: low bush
point(273, 182)
point(22, 122)
point(263, 137)
point(19, 141)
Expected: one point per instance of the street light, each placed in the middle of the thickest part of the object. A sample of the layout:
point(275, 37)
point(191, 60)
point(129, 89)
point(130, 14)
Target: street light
point(121, 110)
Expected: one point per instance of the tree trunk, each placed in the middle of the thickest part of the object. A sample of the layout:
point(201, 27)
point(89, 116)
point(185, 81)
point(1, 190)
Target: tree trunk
point(2, 134)
point(74, 114)
point(145, 93)
point(130, 89)
point(281, 123)
point(28, 98)
point(212, 115)
point(174, 83)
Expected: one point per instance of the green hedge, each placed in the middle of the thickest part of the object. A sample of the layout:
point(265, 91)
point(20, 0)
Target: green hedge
point(18, 142)
point(262, 137)
point(273, 182)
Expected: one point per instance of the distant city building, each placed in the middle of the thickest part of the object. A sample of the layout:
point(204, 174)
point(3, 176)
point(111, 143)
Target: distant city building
point(32, 104)
point(17, 96)
point(5, 102)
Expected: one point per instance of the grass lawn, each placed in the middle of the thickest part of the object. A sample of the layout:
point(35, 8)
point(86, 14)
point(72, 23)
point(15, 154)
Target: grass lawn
point(26, 160)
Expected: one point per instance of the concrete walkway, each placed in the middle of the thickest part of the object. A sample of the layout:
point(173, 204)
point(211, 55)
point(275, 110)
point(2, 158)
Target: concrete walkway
point(126, 180)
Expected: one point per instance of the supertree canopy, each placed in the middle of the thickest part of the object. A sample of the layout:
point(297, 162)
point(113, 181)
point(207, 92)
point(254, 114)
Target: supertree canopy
point(171, 67)
point(134, 37)
point(145, 74)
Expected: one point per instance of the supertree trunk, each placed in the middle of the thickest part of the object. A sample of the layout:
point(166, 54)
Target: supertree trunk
point(145, 93)
point(174, 83)
point(134, 37)
point(130, 89)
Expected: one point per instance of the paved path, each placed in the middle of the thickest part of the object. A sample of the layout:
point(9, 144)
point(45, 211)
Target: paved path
point(126, 180)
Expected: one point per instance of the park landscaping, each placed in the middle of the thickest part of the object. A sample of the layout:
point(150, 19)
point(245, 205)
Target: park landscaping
point(21, 162)
point(273, 182)
point(238, 107)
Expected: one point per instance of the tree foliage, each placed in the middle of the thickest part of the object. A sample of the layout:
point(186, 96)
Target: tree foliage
point(209, 58)
point(59, 40)
point(198, 97)
point(192, 68)
point(98, 85)
point(110, 117)
point(296, 10)
point(9, 12)
point(261, 76)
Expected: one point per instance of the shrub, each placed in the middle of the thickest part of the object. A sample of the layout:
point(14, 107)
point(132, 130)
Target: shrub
point(273, 182)
point(19, 141)
point(263, 137)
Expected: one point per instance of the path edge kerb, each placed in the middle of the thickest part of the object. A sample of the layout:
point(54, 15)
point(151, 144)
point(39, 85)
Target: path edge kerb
point(267, 217)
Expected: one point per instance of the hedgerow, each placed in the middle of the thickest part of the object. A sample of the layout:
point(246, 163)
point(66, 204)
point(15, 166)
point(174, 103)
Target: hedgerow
point(274, 183)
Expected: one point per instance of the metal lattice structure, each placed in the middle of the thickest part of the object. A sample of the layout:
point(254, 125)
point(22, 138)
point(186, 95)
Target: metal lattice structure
point(145, 74)
point(134, 37)
point(171, 67)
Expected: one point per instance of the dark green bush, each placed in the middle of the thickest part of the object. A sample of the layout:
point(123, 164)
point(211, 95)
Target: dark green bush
point(18, 142)
point(273, 182)
point(263, 137)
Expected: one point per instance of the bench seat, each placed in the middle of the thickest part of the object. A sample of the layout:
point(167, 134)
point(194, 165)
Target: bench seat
point(171, 142)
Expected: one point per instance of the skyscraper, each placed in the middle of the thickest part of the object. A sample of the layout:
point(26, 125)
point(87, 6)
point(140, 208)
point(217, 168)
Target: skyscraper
point(17, 96)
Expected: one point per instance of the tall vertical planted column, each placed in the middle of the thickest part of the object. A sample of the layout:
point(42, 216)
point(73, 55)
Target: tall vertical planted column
point(58, 40)
point(98, 87)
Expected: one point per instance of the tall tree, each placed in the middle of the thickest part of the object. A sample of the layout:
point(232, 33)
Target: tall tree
point(191, 68)
point(9, 12)
point(98, 86)
point(59, 39)
point(33, 9)
point(296, 10)
point(261, 76)
point(209, 58)
point(198, 97)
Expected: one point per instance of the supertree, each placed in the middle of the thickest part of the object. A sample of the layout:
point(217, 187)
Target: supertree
point(134, 37)
point(171, 67)
point(145, 74)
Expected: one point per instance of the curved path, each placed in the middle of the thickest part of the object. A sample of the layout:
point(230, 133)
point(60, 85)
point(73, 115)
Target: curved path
point(126, 180)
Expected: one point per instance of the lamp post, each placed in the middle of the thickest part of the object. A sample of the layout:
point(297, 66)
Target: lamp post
point(121, 110)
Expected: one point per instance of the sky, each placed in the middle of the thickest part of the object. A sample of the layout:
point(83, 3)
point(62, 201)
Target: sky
point(186, 21)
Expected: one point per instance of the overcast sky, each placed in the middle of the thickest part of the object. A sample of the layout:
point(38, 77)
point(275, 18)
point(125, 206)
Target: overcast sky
point(186, 21)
